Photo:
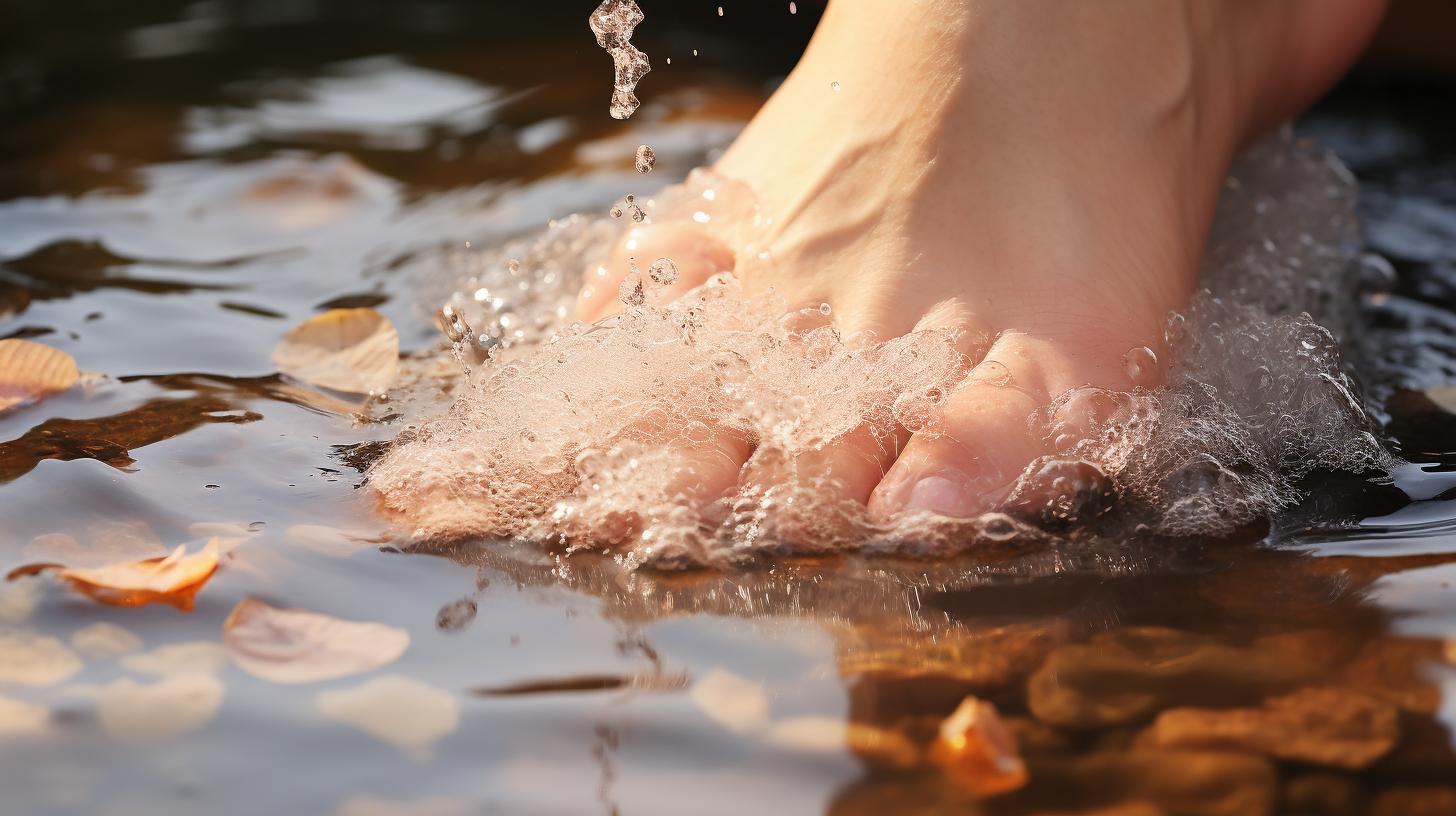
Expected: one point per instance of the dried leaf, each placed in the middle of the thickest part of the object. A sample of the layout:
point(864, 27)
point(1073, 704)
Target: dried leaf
point(30, 371)
point(397, 710)
point(736, 703)
point(132, 712)
point(172, 580)
point(35, 660)
point(102, 640)
point(977, 752)
point(299, 646)
point(352, 350)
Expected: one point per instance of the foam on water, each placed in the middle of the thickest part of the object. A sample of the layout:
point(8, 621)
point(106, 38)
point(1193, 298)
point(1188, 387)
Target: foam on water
point(595, 436)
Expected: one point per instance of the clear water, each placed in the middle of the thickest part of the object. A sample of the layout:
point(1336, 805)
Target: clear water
point(169, 214)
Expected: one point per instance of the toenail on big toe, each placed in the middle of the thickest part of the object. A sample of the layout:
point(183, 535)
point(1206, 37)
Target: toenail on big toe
point(945, 492)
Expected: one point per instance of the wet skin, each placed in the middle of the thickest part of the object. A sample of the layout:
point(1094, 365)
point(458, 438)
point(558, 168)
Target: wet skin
point(1041, 175)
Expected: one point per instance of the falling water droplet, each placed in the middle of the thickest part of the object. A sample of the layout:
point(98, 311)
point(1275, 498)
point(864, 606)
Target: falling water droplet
point(1141, 365)
point(612, 23)
point(616, 211)
point(720, 11)
point(631, 291)
point(834, 86)
point(663, 272)
point(514, 265)
point(637, 214)
point(646, 159)
point(825, 309)
point(793, 9)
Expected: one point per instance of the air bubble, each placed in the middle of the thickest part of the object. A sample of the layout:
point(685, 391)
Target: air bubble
point(646, 159)
point(1141, 365)
point(825, 309)
point(663, 272)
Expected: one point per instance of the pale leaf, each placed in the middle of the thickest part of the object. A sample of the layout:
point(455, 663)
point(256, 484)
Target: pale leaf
point(35, 660)
point(299, 646)
point(132, 712)
point(732, 701)
point(397, 710)
point(31, 371)
point(352, 350)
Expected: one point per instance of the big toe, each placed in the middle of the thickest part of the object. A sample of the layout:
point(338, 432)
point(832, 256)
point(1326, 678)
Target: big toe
point(695, 256)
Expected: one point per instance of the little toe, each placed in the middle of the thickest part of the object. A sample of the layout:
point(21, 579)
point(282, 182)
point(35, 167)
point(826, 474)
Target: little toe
point(696, 257)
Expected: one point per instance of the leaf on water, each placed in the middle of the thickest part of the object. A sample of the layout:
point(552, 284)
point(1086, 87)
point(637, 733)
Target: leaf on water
point(734, 702)
point(299, 646)
point(198, 657)
point(132, 712)
point(102, 640)
point(35, 660)
point(172, 580)
point(352, 350)
point(331, 540)
point(31, 371)
point(398, 710)
point(977, 752)
point(20, 717)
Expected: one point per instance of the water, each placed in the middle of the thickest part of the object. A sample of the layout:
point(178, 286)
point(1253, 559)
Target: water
point(174, 262)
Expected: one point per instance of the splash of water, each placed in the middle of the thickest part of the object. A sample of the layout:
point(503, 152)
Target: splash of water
point(621, 416)
point(613, 23)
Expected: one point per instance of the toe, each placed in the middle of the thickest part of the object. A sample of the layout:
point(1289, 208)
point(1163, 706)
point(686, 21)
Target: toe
point(697, 257)
point(962, 462)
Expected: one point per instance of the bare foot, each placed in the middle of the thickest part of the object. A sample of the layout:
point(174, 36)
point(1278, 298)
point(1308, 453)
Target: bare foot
point(1041, 174)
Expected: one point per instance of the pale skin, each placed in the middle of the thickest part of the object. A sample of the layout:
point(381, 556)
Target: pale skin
point(1039, 173)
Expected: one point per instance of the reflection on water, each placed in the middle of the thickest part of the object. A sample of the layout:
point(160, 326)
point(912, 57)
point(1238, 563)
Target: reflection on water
point(167, 229)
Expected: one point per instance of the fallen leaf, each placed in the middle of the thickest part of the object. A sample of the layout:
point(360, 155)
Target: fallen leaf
point(20, 717)
point(977, 752)
point(132, 712)
point(173, 580)
point(330, 540)
point(299, 646)
point(102, 640)
point(352, 350)
point(35, 660)
point(198, 657)
point(402, 712)
point(30, 371)
point(736, 703)
point(1320, 726)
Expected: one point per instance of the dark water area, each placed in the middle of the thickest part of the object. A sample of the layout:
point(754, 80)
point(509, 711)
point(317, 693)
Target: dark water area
point(181, 184)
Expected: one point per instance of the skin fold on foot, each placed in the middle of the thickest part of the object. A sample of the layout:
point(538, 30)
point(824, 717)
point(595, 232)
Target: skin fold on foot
point(1039, 174)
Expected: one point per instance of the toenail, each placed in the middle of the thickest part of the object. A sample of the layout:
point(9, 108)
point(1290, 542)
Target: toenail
point(946, 492)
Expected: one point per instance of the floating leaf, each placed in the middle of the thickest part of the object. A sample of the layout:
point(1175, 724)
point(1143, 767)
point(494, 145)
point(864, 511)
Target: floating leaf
point(102, 640)
point(736, 703)
point(35, 660)
point(977, 752)
point(31, 371)
point(172, 580)
point(353, 350)
point(394, 709)
point(299, 646)
point(20, 717)
point(132, 712)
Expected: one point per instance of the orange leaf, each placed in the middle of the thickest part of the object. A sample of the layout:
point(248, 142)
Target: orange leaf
point(977, 752)
point(31, 371)
point(172, 580)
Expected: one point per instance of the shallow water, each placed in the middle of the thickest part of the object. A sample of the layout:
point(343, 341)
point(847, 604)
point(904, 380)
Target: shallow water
point(171, 213)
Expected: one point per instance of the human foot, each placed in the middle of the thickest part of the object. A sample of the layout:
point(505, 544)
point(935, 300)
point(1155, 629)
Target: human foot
point(1040, 176)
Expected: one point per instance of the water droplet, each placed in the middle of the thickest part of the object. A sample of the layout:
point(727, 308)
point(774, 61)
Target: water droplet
point(631, 291)
point(646, 159)
point(793, 9)
point(834, 86)
point(825, 309)
point(612, 23)
point(637, 214)
point(616, 211)
point(664, 272)
point(514, 265)
point(720, 11)
point(1141, 365)
point(630, 199)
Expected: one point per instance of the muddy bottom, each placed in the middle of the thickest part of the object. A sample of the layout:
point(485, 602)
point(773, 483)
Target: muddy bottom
point(182, 186)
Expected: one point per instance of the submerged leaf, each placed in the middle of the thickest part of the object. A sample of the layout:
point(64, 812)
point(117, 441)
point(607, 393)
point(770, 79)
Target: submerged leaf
point(31, 371)
point(394, 709)
point(299, 646)
point(353, 350)
point(172, 580)
point(132, 712)
point(35, 660)
point(977, 752)
point(734, 702)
